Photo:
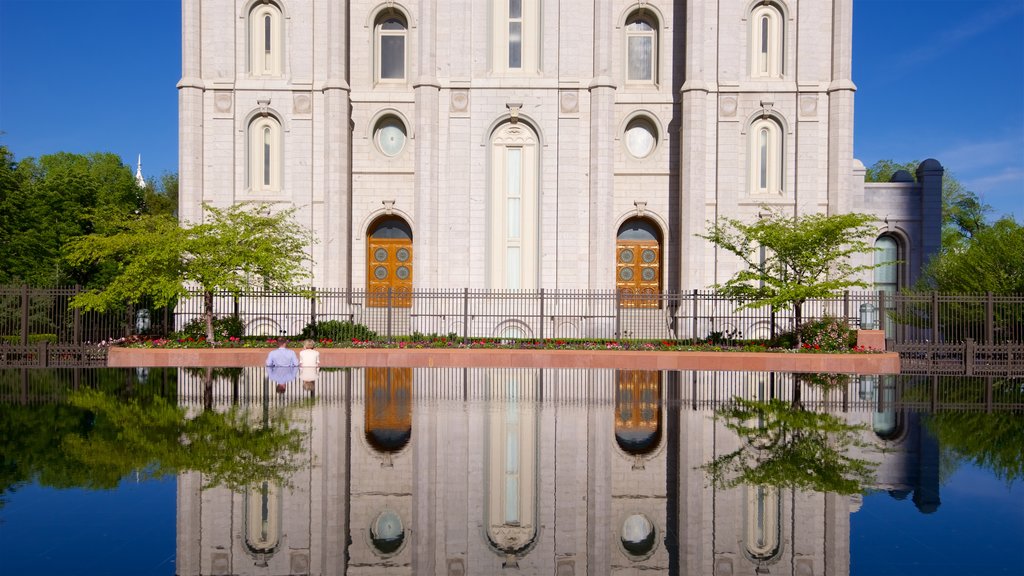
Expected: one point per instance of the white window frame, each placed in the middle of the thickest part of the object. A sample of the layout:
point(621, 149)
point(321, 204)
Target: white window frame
point(514, 208)
point(529, 39)
point(767, 157)
point(266, 23)
point(767, 42)
point(652, 36)
point(264, 151)
point(379, 33)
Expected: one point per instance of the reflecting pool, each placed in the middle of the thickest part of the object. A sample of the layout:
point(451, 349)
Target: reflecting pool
point(485, 471)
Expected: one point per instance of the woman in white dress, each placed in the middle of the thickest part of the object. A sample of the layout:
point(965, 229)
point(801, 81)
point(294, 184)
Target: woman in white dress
point(309, 365)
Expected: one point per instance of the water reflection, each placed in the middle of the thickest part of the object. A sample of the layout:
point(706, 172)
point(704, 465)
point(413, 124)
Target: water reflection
point(466, 471)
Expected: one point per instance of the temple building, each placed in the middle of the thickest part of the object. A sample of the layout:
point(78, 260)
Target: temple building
point(528, 144)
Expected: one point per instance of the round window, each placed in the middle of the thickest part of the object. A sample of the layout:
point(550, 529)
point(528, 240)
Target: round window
point(390, 136)
point(402, 272)
point(626, 255)
point(387, 532)
point(402, 254)
point(641, 137)
point(380, 254)
point(638, 535)
point(380, 272)
point(626, 274)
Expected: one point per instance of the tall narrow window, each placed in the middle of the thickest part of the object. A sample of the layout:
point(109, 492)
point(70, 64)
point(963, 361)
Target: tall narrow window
point(516, 35)
point(641, 50)
point(887, 257)
point(390, 49)
point(265, 45)
point(767, 42)
point(767, 157)
point(264, 150)
point(513, 255)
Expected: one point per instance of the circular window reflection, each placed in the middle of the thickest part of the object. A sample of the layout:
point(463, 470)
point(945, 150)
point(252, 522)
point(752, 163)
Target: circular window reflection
point(390, 136)
point(640, 137)
point(638, 535)
point(387, 533)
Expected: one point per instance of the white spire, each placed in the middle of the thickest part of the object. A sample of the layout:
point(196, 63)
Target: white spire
point(138, 174)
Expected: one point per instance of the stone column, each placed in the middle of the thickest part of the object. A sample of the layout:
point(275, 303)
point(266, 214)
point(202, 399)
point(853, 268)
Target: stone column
point(602, 158)
point(840, 109)
point(426, 90)
point(190, 114)
point(696, 267)
point(333, 121)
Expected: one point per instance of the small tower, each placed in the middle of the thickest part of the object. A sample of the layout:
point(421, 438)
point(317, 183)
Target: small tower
point(138, 174)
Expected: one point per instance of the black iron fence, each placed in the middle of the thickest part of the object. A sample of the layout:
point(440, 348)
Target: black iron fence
point(934, 333)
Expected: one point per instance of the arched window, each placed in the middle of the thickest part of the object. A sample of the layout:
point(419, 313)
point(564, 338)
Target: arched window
point(888, 258)
point(264, 150)
point(516, 38)
point(638, 264)
point(265, 40)
point(514, 245)
point(389, 263)
point(763, 534)
point(767, 42)
point(641, 49)
point(390, 35)
point(767, 157)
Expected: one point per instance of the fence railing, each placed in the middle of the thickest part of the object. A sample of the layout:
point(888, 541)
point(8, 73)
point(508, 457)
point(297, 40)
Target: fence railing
point(934, 332)
point(475, 314)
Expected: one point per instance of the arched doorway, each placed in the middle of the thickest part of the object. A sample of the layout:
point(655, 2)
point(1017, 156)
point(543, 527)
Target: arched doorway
point(638, 264)
point(389, 263)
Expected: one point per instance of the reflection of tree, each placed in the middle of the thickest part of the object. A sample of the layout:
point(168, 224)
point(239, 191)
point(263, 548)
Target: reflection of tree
point(991, 440)
point(229, 448)
point(788, 447)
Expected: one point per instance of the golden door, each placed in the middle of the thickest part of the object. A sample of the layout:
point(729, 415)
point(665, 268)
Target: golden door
point(389, 265)
point(638, 273)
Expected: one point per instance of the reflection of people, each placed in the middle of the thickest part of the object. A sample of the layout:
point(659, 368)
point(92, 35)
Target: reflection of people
point(282, 356)
point(309, 365)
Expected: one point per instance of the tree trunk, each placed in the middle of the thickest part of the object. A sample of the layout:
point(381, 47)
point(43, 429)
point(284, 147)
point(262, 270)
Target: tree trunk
point(208, 315)
point(798, 316)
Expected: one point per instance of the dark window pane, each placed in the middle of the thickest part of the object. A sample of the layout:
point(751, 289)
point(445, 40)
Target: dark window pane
point(392, 57)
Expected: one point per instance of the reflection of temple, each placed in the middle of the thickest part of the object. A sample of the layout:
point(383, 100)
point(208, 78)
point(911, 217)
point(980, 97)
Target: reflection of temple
point(565, 472)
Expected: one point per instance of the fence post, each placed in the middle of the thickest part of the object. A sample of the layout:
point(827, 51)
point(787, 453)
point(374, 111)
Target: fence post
point(465, 314)
point(771, 321)
point(24, 314)
point(990, 312)
point(312, 313)
point(542, 314)
point(935, 316)
point(846, 305)
point(76, 322)
point(693, 334)
point(969, 356)
point(389, 315)
point(618, 312)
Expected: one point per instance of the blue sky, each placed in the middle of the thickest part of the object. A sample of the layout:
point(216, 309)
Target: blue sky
point(937, 79)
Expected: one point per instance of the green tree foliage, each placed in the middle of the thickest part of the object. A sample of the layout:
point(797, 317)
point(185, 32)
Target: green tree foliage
point(805, 257)
point(992, 261)
point(46, 202)
point(784, 446)
point(963, 213)
point(102, 435)
point(234, 250)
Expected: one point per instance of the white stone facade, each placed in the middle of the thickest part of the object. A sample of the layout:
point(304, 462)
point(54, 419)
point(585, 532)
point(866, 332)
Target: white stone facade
point(703, 81)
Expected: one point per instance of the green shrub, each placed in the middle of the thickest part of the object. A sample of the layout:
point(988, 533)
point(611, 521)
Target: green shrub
point(223, 328)
point(337, 330)
point(828, 333)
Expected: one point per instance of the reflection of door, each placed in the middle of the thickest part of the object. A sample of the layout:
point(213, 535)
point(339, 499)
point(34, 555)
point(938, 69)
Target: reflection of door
point(389, 265)
point(638, 272)
point(388, 416)
point(637, 399)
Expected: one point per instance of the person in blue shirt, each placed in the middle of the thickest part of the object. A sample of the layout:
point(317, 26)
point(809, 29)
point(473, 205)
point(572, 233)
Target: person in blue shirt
point(282, 356)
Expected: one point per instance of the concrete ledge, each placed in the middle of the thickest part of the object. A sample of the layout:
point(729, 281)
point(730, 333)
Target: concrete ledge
point(884, 363)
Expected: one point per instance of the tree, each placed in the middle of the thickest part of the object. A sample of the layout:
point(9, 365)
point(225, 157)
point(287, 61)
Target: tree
point(804, 257)
point(963, 213)
point(50, 200)
point(234, 250)
point(785, 446)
